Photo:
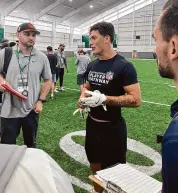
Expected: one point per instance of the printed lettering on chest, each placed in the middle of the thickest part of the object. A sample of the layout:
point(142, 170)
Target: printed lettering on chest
point(100, 77)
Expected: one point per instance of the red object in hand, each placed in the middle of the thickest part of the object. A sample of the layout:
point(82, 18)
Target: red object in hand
point(14, 92)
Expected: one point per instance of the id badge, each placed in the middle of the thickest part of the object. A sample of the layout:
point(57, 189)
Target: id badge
point(62, 60)
point(23, 85)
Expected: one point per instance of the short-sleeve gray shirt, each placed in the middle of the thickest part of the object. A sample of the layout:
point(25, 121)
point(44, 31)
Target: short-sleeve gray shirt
point(39, 67)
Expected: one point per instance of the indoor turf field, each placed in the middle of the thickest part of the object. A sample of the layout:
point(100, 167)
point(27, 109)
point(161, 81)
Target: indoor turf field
point(143, 123)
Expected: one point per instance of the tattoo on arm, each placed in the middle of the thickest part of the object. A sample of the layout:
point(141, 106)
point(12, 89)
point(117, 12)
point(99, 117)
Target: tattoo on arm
point(122, 101)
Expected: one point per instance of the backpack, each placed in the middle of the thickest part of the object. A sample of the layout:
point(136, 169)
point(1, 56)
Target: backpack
point(7, 59)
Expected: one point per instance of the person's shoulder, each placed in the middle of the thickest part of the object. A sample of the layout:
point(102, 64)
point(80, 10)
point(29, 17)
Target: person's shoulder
point(171, 133)
point(122, 65)
point(122, 60)
point(39, 53)
point(51, 56)
point(86, 56)
point(63, 53)
point(2, 51)
point(93, 63)
point(83, 57)
point(96, 61)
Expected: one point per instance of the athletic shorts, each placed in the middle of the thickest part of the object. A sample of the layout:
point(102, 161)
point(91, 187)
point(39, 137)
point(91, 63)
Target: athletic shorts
point(53, 78)
point(106, 143)
point(81, 79)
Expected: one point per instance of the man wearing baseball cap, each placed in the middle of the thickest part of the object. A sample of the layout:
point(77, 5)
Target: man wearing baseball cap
point(26, 68)
point(27, 27)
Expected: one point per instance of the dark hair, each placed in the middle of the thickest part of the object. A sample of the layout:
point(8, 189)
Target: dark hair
point(62, 45)
point(169, 20)
point(11, 44)
point(169, 3)
point(49, 48)
point(4, 45)
point(105, 29)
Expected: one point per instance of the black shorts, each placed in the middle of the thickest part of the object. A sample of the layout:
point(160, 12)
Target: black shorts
point(81, 79)
point(106, 143)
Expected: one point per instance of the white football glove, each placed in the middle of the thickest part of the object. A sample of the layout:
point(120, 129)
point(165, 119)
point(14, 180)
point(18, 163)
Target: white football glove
point(96, 99)
point(82, 111)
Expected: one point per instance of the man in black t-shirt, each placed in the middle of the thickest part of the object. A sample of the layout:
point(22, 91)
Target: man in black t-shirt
point(111, 84)
point(53, 62)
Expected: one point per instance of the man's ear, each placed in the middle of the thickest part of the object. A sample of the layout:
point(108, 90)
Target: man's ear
point(107, 39)
point(174, 48)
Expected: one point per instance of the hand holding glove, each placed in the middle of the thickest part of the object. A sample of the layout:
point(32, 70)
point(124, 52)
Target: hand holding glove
point(95, 99)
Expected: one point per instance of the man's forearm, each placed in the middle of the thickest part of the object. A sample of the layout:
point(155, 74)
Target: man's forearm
point(66, 66)
point(65, 63)
point(45, 88)
point(123, 101)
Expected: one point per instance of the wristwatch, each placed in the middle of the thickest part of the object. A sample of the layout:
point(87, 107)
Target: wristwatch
point(42, 100)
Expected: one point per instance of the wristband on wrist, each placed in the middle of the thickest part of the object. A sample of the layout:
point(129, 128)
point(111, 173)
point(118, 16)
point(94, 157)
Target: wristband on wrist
point(42, 100)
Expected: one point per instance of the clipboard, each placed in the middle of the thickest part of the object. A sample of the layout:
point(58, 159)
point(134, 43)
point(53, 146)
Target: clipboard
point(97, 181)
point(14, 92)
point(124, 178)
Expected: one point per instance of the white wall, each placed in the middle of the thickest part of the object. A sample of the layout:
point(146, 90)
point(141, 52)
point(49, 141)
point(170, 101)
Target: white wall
point(127, 27)
point(45, 38)
point(139, 24)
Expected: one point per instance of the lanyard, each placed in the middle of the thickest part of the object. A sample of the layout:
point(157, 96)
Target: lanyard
point(21, 69)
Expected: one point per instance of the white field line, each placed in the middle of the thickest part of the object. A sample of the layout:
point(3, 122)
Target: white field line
point(151, 82)
point(149, 102)
point(172, 86)
point(81, 184)
point(161, 104)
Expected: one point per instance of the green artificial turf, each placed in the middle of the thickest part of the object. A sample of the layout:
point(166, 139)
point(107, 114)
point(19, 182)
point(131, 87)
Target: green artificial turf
point(143, 123)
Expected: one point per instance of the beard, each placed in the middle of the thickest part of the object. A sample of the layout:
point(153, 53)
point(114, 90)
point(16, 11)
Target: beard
point(28, 45)
point(165, 71)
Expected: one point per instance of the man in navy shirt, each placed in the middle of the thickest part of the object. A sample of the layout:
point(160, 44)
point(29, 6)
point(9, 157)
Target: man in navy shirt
point(111, 84)
point(166, 37)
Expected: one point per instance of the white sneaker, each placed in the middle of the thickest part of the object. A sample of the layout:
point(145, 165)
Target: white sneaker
point(56, 90)
point(61, 88)
point(52, 95)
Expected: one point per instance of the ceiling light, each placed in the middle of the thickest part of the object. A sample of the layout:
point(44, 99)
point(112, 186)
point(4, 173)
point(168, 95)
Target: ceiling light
point(70, 0)
point(91, 6)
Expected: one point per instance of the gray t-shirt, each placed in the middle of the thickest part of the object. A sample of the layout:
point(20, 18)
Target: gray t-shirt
point(61, 59)
point(82, 63)
point(39, 67)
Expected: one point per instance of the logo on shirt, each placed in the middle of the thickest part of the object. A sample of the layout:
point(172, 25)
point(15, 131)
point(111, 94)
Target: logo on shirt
point(100, 77)
point(109, 75)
